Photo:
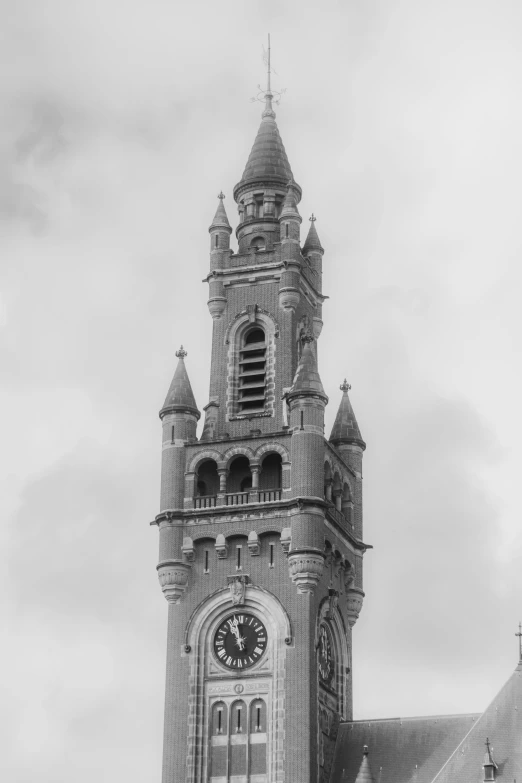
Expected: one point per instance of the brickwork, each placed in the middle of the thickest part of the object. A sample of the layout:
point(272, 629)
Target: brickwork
point(262, 514)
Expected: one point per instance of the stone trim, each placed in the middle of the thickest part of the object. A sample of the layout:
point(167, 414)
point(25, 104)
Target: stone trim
point(208, 679)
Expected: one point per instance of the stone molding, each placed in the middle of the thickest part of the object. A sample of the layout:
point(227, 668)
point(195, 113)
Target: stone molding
point(173, 577)
point(305, 568)
point(354, 598)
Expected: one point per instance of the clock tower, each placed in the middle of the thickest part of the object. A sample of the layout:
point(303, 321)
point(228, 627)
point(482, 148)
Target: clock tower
point(260, 523)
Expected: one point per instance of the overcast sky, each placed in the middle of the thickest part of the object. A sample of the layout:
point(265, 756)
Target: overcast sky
point(121, 121)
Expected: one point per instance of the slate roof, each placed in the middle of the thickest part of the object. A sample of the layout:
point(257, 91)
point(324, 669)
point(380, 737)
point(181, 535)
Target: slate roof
point(345, 428)
point(307, 379)
point(180, 396)
point(400, 749)
point(220, 218)
point(268, 159)
point(312, 241)
point(501, 723)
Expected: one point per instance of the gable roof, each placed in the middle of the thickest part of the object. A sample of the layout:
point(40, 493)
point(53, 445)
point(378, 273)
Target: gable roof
point(502, 724)
point(401, 749)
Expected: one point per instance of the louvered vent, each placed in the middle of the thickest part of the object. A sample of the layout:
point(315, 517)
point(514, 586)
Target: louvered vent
point(252, 372)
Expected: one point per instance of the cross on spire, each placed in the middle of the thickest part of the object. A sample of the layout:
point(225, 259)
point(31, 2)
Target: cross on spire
point(519, 634)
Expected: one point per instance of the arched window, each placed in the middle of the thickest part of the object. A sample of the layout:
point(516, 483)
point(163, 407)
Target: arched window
point(252, 371)
point(207, 484)
point(270, 476)
point(258, 243)
point(239, 477)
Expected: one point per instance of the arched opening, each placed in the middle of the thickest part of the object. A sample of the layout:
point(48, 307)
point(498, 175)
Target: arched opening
point(207, 484)
point(270, 477)
point(337, 491)
point(328, 481)
point(258, 243)
point(252, 371)
point(239, 481)
point(347, 503)
point(271, 471)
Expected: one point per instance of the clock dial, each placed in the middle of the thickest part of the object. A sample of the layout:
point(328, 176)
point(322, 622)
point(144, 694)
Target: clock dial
point(240, 641)
point(325, 657)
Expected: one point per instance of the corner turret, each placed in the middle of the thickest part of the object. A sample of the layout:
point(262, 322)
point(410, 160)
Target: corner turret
point(346, 437)
point(307, 401)
point(313, 251)
point(219, 231)
point(179, 416)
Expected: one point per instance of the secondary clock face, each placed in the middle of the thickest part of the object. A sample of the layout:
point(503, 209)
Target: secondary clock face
point(326, 659)
point(240, 641)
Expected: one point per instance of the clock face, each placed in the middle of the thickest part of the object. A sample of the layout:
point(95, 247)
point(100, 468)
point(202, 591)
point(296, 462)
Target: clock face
point(240, 641)
point(326, 659)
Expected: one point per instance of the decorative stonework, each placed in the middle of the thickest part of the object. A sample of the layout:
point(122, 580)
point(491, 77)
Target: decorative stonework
point(237, 586)
point(289, 298)
point(173, 578)
point(221, 547)
point(306, 569)
point(333, 603)
point(354, 598)
point(188, 550)
point(286, 539)
point(253, 544)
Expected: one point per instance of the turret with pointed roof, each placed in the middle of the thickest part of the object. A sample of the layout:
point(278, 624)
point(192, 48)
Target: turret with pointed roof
point(180, 397)
point(219, 230)
point(345, 430)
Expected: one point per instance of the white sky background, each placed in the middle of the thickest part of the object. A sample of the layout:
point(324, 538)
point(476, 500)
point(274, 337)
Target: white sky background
point(121, 122)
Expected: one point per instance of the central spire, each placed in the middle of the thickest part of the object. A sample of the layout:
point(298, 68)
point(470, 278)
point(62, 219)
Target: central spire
point(267, 165)
point(269, 111)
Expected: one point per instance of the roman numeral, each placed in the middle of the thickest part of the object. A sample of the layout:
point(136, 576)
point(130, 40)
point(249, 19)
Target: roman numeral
point(221, 654)
point(241, 619)
point(258, 650)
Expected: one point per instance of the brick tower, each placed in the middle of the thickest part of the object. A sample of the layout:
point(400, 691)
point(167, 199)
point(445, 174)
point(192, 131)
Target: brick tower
point(261, 517)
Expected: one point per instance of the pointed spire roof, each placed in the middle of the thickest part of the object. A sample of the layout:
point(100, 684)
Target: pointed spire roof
point(307, 380)
point(312, 241)
point(267, 162)
point(180, 396)
point(345, 428)
point(220, 218)
point(289, 208)
point(365, 773)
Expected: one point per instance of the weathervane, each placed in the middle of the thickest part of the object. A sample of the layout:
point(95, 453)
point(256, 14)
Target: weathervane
point(519, 634)
point(268, 96)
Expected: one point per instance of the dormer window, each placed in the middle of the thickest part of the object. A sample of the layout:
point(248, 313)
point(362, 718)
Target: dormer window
point(252, 372)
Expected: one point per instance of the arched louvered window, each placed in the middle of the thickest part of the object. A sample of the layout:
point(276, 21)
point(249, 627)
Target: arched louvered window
point(252, 372)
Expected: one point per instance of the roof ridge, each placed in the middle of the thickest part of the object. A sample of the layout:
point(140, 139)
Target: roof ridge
point(481, 716)
point(413, 717)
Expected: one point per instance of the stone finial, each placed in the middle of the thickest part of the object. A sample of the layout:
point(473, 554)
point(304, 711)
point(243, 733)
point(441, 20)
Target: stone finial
point(221, 195)
point(181, 353)
point(345, 387)
point(312, 218)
